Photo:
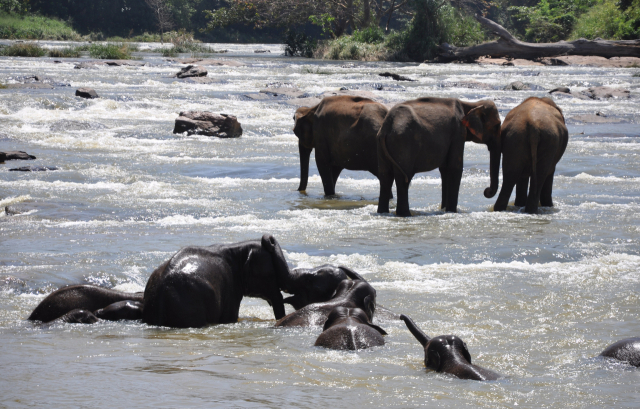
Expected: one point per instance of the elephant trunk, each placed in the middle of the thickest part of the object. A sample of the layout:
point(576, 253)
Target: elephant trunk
point(305, 154)
point(283, 272)
point(494, 170)
point(417, 332)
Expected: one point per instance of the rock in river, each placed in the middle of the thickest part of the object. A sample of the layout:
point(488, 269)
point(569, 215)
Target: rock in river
point(17, 155)
point(208, 123)
point(88, 93)
point(34, 168)
point(192, 71)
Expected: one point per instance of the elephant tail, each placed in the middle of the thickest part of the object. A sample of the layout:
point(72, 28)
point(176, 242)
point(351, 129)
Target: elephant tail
point(417, 332)
point(382, 136)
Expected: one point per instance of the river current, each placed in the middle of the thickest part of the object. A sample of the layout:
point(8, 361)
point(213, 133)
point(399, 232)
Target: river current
point(535, 297)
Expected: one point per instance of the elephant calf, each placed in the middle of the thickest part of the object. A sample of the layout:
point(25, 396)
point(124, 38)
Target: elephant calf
point(342, 129)
point(314, 285)
point(349, 329)
point(627, 350)
point(534, 138)
point(449, 354)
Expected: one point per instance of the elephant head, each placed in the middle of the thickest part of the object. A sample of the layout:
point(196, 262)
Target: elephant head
point(265, 273)
point(483, 126)
point(303, 129)
point(319, 284)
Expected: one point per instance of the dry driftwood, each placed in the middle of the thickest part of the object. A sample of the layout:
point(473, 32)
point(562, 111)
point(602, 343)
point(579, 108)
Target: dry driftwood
point(509, 46)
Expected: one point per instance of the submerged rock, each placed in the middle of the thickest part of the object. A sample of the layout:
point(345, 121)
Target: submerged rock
point(33, 169)
point(88, 93)
point(208, 123)
point(18, 155)
point(192, 71)
point(396, 77)
point(606, 92)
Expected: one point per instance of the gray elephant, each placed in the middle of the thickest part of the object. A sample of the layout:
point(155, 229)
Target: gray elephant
point(449, 354)
point(626, 350)
point(534, 138)
point(313, 285)
point(350, 294)
point(205, 285)
point(349, 329)
point(429, 133)
point(342, 129)
point(88, 298)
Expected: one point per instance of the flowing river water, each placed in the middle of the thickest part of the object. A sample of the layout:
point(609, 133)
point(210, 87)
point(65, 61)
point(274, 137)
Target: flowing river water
point(535, 297)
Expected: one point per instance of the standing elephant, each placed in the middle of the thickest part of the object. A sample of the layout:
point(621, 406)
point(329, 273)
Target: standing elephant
point(88, 298)
point(449, 354)
point(534, 138)
point(350, 294)
point(350, 329)
point(626, 350)
point(205, 285)
point(343, 130)
point(313, 285)
point(428, 133)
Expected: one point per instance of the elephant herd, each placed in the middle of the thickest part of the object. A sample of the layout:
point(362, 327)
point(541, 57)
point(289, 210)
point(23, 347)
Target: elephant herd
point(199, 286)
point(424, 134)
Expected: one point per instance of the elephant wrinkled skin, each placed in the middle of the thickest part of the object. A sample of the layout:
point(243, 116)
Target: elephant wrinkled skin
point(342, 129)
point(428, 133)
point(449, 354)
point(534, 138)
point(349, 329)
point(205, 285)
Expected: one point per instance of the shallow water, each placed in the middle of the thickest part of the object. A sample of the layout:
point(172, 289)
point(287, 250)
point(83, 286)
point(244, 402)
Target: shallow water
point(536, 297)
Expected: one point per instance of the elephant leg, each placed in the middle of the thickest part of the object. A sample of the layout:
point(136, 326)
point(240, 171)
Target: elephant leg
point(326, 174)
point(535, 188)
point(385, 176)
point(508, 183)
point(545, 195)
point(335, 171)
point(402, 188)
point(454, 177)
point(443, 180)
point(521, 191)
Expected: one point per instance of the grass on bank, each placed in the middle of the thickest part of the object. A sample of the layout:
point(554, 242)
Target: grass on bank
point(112, 51)
point(23, 50)
point(35, 28)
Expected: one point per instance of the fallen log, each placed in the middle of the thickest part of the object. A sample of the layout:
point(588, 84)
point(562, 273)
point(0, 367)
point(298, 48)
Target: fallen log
point(509, 46)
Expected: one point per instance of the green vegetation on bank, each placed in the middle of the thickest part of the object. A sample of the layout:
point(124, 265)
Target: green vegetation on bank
point(112, 51)
point(14, 26)
point(23, 50)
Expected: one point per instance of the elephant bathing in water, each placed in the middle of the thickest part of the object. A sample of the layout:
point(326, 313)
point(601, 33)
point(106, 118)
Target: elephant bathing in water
point(627, 350)
point(449, 354)
point(350, 329)
point(205, 285)
point(342, 129)
point(88, 299)
point(313, 285)
point(534, 138)
point(350, 294)
point(428, 133)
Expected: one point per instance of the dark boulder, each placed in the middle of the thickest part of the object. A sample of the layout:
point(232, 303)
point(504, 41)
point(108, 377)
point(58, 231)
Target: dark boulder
point(606, 92)
point(18, 155)
point(208, 123)
point(3, 156)
point(396, 77)
point(88, 93)
point(33, 169)
point(192, 71)
point(563, 90)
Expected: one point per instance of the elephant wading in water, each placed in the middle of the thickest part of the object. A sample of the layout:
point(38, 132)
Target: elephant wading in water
point(205, 285)
point(89, 300)
point(449, 354)
point(350, 294)
point(626, 350)
point(343, 130)
point(313, 285)
point(428, 133)
point(350, 329)
point(534, 138)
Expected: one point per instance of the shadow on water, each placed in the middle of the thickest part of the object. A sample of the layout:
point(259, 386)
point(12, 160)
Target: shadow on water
point(335, 202)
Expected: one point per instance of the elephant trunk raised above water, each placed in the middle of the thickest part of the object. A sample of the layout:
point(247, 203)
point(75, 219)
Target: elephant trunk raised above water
point(428, 133)
point(342, 130)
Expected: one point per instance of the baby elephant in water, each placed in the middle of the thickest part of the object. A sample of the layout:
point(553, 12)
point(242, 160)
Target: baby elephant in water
point(627, 350)
point(349, 328)
point(449, 354)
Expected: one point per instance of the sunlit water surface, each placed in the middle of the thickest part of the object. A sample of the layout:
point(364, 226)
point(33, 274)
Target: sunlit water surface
point(536, 297)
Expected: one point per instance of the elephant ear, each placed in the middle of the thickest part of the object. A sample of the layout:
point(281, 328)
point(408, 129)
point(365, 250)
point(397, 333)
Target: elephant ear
point(351, 274)
point(377, 328)
point(465, 352)
point(433, 359)
point(370, 306)
point(473, 121)
point(303, 127)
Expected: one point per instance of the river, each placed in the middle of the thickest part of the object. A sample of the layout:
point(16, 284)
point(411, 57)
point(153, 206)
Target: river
point(535, 297)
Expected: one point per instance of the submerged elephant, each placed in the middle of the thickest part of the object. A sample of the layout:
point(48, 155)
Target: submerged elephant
point(342, 129)
point(313, 285)
point(349, 329)
point(449, 354)
point(626, 350)
point(534, 138)
point(205, 285)
point(350, 294)
point(84, 297)
point(428, 133)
